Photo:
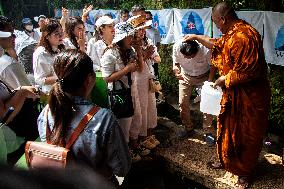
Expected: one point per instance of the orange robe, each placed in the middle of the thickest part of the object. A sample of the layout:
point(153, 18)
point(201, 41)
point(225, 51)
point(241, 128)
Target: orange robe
point(243, 119)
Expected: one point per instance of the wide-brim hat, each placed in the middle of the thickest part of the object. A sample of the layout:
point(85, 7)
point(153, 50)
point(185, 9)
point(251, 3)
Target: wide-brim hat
point(123, 30)
point(5, 34)
point(139, 21)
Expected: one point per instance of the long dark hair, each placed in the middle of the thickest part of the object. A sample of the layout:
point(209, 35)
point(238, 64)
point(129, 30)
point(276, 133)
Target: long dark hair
point(125, 54)
point(72, 68)
point(50, 26)
point(70, 25)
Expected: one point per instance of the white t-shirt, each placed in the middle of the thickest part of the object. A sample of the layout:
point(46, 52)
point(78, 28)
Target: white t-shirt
point(154, 35)
point(23, 40)
point(43, 67)
point(95, 50)
point(195, 66)
point(12, 72)
point(110, 63)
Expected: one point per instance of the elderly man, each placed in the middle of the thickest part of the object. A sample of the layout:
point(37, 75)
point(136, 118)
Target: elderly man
point(243, 119)
point(191, 66)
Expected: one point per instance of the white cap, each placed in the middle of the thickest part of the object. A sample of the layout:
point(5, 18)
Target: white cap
point(5, 34)
point(104, 20)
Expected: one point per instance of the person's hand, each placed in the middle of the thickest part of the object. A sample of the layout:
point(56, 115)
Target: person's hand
point(132, 66)
point(30, 92)
point(220, 81)
point(177, 72)
point(136, 43)
point(189, 37)
point(148, 52)
point(65, 12)
point(81, 40)
point(87, 10)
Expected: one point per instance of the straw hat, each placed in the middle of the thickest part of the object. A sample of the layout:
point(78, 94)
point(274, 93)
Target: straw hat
point(139, 21)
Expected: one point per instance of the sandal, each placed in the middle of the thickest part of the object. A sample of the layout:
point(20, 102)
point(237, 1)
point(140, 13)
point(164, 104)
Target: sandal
point(242, 183)
point(214, 165)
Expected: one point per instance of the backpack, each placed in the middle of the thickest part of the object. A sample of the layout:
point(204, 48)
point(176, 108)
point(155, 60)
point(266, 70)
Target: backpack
point(46, 155)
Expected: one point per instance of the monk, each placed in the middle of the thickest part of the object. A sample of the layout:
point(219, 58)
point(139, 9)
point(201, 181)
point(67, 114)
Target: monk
point(243, 120)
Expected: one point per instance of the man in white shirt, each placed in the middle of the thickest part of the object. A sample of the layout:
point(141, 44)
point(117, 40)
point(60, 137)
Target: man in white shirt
point(26, 42)
point(11, 71)
point(191, 66)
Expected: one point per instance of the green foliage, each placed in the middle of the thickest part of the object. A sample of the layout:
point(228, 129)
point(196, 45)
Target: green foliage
point(166, 77)
point(277, 102)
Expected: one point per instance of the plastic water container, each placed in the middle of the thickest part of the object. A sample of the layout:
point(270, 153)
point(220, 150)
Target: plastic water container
point(210, 99)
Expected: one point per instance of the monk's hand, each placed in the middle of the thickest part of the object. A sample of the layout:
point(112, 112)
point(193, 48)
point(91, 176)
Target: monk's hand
point(220, 81)
point(189, 37)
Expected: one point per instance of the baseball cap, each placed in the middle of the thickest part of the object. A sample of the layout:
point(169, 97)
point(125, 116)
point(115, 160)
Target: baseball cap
point(27, 21)
point(104, 20)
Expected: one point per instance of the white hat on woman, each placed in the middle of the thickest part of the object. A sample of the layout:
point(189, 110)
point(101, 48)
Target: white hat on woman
point(123, 30)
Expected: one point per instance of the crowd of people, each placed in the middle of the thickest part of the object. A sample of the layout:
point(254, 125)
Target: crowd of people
point(60, 59)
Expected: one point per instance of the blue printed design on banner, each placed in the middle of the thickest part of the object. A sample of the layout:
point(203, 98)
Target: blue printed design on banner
point(192, 24)
point(279, 42)
point(159, 25)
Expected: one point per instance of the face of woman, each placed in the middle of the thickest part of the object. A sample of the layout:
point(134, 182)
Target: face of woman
point(79, 28)
point(108, 29)
point(127, 42)
point(141, 33)
point(56, 37)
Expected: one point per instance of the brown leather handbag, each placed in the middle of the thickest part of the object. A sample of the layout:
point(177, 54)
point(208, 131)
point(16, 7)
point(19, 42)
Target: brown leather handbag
point(46, 155)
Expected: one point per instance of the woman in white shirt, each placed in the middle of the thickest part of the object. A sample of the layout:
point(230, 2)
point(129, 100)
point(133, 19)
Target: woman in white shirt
point(75, 34)
point(51, 43)
point(95, 49)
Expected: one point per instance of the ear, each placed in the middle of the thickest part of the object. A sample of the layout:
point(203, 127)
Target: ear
point(223, 20)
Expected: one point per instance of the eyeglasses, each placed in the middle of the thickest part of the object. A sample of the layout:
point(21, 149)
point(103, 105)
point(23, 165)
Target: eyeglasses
point(58, 34)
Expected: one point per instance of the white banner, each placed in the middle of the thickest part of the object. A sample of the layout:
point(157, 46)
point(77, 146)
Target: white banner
point(163, 21)
point(94, 14)
point(192, 21)
point(274, 38)
point(255, 18)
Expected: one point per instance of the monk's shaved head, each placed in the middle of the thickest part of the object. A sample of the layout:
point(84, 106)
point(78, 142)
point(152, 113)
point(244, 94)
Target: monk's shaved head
point(224, 9)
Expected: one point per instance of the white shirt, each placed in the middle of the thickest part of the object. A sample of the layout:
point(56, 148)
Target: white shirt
point(68, 44)
point(37, 30)
point(110, 63)
point(154, 35)
point(95, 50)
point(198, 65)
point(43, 67)
point(23, 40)
point(12, 72)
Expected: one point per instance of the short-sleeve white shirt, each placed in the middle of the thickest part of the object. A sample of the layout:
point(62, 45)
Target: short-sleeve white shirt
point(95, 50)
point(195, 66)
point(12, 72)
point(111, 62)
point(43, 66)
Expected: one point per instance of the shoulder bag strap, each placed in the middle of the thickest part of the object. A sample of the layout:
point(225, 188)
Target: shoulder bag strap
point(83, 123)
point(47, 132)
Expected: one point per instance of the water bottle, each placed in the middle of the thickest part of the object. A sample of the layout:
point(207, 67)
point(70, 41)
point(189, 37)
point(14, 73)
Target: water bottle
point(209, 139)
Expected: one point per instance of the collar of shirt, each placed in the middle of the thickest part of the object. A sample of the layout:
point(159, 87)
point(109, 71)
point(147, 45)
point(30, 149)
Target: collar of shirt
point(78, 100)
